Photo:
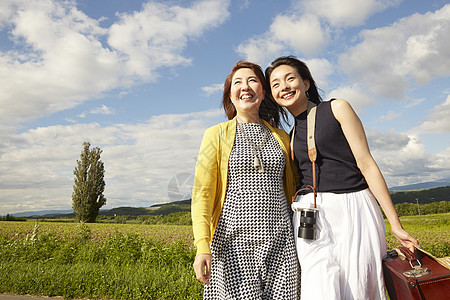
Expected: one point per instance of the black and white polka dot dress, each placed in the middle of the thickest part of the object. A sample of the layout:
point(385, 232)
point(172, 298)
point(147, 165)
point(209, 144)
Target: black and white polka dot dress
point(253, 247)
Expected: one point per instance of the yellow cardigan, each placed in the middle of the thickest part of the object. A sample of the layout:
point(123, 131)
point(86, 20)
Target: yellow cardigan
point(211, 174)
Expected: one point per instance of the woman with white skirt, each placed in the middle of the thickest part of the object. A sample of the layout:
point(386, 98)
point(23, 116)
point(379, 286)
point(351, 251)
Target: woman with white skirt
point(344, 258)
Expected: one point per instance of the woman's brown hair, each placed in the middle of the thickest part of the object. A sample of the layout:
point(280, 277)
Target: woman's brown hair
point(269, 109)
point(302, 70)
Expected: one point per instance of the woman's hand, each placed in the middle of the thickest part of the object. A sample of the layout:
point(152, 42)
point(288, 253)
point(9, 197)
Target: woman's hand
point(202, 268)
point(405, 238)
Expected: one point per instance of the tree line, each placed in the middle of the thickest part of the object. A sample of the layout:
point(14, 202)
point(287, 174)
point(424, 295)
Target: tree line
point(412, 209)
point(10, 217)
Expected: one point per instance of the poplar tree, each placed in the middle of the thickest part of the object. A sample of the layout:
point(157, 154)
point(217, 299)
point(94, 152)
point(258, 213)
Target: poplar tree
point(89, 184)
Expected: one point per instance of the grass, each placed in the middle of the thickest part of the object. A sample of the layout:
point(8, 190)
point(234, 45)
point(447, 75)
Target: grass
point(99, 231)
point(432, 231)
point(130, 261)
point(97, 261)
point(100, 280)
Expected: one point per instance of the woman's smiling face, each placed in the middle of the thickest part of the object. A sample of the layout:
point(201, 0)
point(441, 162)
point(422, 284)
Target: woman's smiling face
point(247, 91)
point(288, 87)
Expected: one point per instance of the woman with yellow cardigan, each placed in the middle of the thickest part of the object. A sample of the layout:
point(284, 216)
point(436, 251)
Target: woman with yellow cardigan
point(241, 197)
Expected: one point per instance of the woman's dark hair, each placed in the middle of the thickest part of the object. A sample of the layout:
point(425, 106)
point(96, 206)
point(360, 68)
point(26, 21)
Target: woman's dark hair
point(269, 110)
point(302, 70)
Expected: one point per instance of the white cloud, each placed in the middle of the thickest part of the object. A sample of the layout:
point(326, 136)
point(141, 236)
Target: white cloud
point(441, 161)
point(36, 166)
point(438, 121)
point(156, 36)
point(102, 110)
point(344, 13)
point(244, 4)
point(387, 141)
point(64, 60)
point(320, 69)
point(403, 159)
point(302, 34)
point(214, 88)
point(308, 26)
point(260, 50)
point(61, 64)
point(6, 6)
point(414, 102)
point(415, 47)
point(356, 96)
point(306, 30)
point(391, 115)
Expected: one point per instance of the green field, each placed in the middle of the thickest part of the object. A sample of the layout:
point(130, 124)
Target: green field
point(98, 261)
point(432, 231)
point(130, 261)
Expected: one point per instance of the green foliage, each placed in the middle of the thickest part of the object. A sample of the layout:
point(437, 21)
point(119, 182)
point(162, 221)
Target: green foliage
point(84, 232)
point(411, 209)
point(9, 217)
point(120, 219)
point(87, 196)
point(177, 218)
point(123, 266)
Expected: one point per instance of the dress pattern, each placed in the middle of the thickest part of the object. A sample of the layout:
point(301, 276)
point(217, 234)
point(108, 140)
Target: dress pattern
point(253, 248)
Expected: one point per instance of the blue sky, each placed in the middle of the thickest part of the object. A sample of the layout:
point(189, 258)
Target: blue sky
point(142, 81)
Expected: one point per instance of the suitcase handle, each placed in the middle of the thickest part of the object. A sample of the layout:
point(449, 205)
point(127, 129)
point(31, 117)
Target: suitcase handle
point(410, 257)
point(407, 253)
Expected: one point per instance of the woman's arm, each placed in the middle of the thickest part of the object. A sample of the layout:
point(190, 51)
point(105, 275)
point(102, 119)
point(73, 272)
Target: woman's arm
point(203, 195)
point(356, 138)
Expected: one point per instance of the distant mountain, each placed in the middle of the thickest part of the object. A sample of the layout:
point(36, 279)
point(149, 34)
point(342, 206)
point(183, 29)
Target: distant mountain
point(171, 203)
point(124, 211)
point(42, 213)
point(422, 185)
point(422, 196)
point(170, 207)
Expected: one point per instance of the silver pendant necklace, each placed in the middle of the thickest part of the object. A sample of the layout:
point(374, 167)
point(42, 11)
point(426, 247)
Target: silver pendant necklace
point(257, 161)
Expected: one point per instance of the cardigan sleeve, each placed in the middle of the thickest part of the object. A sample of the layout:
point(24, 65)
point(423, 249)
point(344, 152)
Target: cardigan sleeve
point(204, 190)
point(291, 176)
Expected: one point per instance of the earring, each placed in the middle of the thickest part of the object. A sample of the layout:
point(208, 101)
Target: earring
point(307, 95)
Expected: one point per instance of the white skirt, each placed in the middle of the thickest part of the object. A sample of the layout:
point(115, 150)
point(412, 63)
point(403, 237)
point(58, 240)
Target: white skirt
point(345, 259)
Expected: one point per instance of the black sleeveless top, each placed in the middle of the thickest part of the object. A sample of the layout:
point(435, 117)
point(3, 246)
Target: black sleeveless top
point(336, 168)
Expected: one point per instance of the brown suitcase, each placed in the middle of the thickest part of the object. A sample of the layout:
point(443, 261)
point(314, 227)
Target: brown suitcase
point(415, 276)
